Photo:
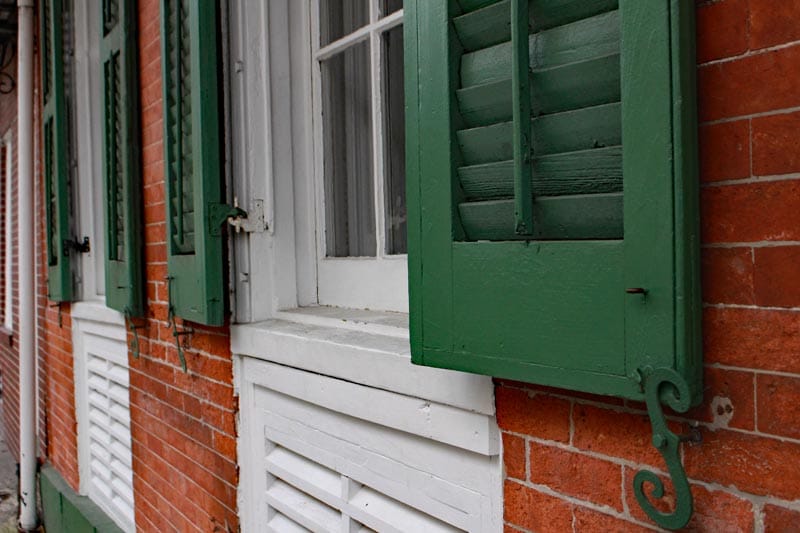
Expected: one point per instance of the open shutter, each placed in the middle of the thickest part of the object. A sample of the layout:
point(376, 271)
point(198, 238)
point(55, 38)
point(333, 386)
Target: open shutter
point(192, 156)
point(55, 124)
point(553, 225)
point(121, 176)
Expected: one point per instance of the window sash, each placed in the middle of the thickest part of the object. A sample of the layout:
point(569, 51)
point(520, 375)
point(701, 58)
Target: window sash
point(380, 281)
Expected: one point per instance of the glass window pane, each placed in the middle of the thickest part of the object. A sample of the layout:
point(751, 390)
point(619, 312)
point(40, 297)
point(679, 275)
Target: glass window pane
point(338, 18)
point(390, 6)
point(347, 142)
point(395, 141)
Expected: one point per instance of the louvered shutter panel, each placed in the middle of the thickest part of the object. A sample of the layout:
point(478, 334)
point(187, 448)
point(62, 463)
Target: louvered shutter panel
point(551, 168)
point(121, 171)
point(192, 156)
point(55, 124)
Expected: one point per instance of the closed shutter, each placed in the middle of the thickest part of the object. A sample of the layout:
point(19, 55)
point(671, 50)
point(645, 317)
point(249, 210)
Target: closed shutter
point(551, 172)
point(122, 181)
point(192, 156)
point(56, 154)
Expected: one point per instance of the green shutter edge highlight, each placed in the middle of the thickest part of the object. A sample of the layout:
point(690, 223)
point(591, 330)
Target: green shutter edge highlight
point(196, 280)
point(124, 275)
point(449, 291)
point(56, 160)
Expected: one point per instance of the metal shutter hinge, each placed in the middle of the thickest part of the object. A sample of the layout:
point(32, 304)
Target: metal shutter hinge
point(82, 247)
point(252, 221)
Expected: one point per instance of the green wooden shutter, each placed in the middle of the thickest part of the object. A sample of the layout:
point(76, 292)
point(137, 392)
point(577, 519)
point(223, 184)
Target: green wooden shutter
point(121, 176)
point(193, 152)
point(55, 125)
point(538, 207)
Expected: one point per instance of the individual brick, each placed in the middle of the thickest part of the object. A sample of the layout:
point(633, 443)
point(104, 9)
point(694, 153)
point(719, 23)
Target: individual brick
point(777, 276)
point(751, 463)
point(752, 338)
point(535, 511)
point(576, 474)
point(728, 276)
point(752, 212)
point(721, 30)
point(778, 405)
point(776, 144)
point(537, 415)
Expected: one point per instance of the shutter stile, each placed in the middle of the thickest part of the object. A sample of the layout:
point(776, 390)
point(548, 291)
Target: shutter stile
point(55, 122)
point(121, 159)
point(549, 304)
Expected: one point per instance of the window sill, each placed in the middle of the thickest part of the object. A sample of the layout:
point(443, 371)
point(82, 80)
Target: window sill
point(363, 347)
point(96, 311)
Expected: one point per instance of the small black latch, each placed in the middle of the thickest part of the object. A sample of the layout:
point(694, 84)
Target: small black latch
point(83, 247)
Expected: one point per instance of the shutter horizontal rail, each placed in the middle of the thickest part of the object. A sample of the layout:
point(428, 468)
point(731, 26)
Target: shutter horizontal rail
point(523, 204)
point(584, 172)
point(596, 216)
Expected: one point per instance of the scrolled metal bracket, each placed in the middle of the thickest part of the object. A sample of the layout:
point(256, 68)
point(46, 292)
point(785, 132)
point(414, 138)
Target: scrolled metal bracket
point(664, 384)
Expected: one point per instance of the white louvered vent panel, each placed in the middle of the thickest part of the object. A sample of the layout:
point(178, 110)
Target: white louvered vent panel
point(326, 455)
point(109, 435)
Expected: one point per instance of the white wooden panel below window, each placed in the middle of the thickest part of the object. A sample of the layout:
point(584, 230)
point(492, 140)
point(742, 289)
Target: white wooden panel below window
point(323, 454)
point(103, 408)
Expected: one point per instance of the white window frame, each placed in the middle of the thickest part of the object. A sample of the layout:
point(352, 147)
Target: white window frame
point(276, 162)
point(8, 288)
point(87, 142)
point(379, 282)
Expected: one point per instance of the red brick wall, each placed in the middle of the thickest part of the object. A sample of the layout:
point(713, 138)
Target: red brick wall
point(570, 459)
point(183, 424)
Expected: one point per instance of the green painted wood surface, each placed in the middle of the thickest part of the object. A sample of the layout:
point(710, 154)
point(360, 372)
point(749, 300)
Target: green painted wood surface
point(121, 159)
point(522, 170)
point(585, 39)
point(553, 309)
point(193, 153)
point(56, 152)
point(581, 129)
point(589, 216)
point(563, 88)
point(584, 172)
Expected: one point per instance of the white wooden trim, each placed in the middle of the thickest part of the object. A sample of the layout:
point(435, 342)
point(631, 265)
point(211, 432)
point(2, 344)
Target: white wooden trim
point(365, 358)
point(8, 295)
point(88, 143)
